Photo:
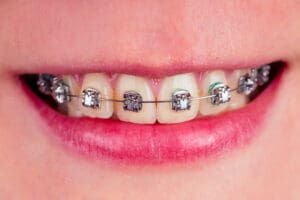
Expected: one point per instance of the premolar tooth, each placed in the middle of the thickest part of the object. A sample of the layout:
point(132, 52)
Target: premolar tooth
point(237, 100)
point(44, 83)
point(133, 89)
point(185, 86)
point(73, 107)
point(92, 84)
point(206, 107)
point(60, 91)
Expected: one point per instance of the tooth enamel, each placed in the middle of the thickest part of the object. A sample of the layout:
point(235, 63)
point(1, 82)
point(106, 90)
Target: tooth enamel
point(176, 102)
point(237, 100)
point(97, 82)
point(133, 85)
point(60, 91)
point(206, 107)
point(73, 107)
point(170, 86)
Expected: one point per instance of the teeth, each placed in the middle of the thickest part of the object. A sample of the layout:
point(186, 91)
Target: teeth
point(73, 107)
point(98, 83)
point(133, 87)
point(132, 100)
point(206, 107)
point(183, 84)
point(237, 100)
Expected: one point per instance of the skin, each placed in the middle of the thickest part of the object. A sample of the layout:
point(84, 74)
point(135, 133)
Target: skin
point(35, 34)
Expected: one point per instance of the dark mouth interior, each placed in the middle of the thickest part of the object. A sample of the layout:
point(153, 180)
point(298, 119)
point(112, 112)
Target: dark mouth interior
point(31, 81)
point(276, 68)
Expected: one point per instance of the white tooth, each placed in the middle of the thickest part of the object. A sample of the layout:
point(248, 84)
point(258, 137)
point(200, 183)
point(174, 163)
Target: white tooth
point(165, 113)
point(140, 85)
point(73, 107)
point(206, 108)
point(237, 100)
point(99, 82)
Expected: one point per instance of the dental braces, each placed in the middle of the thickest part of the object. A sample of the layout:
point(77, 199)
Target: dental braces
point(181, 99)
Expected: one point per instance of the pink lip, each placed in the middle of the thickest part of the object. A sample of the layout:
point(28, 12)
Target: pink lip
point(154, 144)
point(141, 69)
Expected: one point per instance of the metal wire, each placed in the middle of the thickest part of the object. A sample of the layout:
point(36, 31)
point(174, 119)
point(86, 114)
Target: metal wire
point(154, 101)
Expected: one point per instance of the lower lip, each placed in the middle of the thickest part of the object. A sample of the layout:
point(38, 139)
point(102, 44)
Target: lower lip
point(159, 143)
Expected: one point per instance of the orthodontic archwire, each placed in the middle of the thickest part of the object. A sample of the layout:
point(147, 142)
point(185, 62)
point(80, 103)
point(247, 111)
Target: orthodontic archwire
point(218, 92)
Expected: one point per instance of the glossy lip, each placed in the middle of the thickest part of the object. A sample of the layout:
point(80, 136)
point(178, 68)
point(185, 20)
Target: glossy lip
point(158, 143)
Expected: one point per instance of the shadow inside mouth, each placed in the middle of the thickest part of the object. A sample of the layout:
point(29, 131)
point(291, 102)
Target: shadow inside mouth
point(276, 68)
point(31, 81)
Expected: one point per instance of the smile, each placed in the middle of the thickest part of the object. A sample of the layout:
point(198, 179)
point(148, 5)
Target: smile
point(142, 119)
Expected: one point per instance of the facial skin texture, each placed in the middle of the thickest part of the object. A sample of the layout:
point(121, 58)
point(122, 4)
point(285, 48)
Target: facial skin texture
point(39, 33)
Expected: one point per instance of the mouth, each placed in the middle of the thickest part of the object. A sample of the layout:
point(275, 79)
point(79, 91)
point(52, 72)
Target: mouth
point(149, 118)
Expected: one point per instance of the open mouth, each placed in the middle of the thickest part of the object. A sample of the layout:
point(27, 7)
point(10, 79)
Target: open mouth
point(155, 119)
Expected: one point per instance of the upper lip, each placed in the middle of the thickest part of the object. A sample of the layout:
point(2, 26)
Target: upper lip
point(175, 67)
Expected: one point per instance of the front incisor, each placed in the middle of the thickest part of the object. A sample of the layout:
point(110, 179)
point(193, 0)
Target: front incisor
point(165, 114)
point(140, 85)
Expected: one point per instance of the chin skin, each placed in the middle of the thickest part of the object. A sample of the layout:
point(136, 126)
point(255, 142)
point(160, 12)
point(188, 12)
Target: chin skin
point(35, 165)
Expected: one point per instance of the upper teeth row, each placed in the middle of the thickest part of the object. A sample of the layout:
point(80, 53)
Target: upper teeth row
point(181, 99)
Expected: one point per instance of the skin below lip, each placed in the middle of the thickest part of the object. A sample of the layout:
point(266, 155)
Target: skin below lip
point(159, 143)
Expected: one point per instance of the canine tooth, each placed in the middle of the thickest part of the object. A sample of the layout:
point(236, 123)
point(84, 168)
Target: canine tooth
point(73, 107)
point(133, 89)
point(97, 82)
point(182, 84)
point(91, 98)
point(206, 107)
point(237, 100)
